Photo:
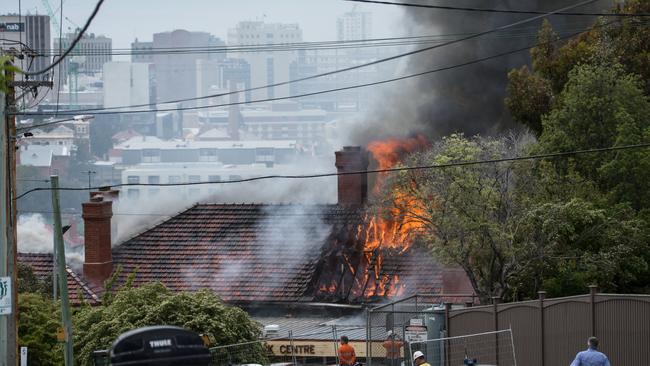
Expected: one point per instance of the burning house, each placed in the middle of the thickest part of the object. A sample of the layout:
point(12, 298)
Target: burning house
point(255, 255)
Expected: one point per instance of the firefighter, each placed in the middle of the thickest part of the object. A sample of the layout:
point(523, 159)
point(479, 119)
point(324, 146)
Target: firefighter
point(418, 359)
point(347, 357)
point(393, 348)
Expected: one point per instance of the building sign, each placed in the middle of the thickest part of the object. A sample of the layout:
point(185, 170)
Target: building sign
point(5, 295)
point(317, 348)
point(23, 356)
point(12, 27)
point(416, 331)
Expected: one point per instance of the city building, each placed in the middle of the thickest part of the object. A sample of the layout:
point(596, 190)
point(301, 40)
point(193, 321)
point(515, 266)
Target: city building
point(266, 67)
point(34, 32)
point(176, 73)
point(141, 51)
point(149, 149)
point(59, 136)
point(89, 55)
point(354, 25)
point(276, 121)
point(46, 159)
point(126, 83)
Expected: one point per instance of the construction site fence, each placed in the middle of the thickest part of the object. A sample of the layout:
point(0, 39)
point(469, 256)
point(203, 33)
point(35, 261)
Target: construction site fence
point(317, 347)
point(544, 331)
point(490, 348)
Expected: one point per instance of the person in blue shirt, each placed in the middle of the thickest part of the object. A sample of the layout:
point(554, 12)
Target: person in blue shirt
point(591, 357)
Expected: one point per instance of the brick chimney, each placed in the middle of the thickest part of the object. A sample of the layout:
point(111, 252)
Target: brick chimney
point(352, 188)
point(98, 261)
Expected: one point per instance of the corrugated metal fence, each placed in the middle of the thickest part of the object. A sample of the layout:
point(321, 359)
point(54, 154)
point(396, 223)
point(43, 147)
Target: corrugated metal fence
point(549, 332)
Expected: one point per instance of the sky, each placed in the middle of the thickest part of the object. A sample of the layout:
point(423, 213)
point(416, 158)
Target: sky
point(124, 20)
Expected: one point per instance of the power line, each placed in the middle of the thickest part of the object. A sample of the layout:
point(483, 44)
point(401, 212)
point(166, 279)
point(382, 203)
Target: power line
point(506, 11)
point(72, 45)
point(375, 171)
point(305, 46)
point(29, 128)
point(77, 214)
point(355, 67)
point(322, 91)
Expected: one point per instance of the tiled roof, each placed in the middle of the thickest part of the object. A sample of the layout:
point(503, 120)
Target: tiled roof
point(275, 253)
point(42, 264)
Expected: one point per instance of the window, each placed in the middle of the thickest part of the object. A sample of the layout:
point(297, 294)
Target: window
point(264, 154)
point(194, 192)
point(153, 192)
point(174, 179)
point(194, 178)
point(214, 178)
point(208, 155)
point(234, 177)
point(151, 156)
point(153, 179)
point(133, 179)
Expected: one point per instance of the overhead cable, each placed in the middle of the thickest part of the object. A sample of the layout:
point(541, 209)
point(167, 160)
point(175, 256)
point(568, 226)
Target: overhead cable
point(355, 67)
point(374, 171)
point(72, 45)
point(506, 11)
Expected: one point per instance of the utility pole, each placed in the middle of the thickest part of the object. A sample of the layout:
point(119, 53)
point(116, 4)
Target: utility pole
point(8, 249)
point(8, 323)
point(60, 261)
point(90, 173)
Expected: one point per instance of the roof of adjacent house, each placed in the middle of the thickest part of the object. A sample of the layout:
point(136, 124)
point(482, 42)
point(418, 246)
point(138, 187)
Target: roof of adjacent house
point(42, 265)
point(252, 253)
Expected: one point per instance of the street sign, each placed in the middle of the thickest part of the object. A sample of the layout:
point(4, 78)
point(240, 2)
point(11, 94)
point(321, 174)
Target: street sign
point(5, 295)
point(416, 331)
point(23, 356)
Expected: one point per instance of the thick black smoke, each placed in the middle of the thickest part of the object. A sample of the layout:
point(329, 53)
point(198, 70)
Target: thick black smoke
point(468, 99)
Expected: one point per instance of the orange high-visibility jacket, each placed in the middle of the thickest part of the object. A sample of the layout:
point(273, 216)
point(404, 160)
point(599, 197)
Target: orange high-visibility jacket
point(347, 355)
point(393, 348)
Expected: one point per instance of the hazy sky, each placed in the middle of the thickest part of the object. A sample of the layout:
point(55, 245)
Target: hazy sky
point(123, 20)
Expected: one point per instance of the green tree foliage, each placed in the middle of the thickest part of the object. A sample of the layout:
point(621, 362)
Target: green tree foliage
point(28, 282)
point(39, 319)
point(5, 66)
point(625, 41)
point(472, 214)
point(153, 304)
point(529, 98)
point(602, 106)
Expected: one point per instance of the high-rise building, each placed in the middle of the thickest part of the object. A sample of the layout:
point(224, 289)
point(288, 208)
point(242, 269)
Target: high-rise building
point(34, 32)
point(126, 83)
point(141, 51)
point(176, 72)
point(89, 55)
point(354, 25)
point(267, 67)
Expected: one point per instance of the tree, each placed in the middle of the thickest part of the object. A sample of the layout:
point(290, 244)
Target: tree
point(28, 282)
point(625, 41)
point(602, 106)
point(471, 215)
point(153, 304)
point(37, 329)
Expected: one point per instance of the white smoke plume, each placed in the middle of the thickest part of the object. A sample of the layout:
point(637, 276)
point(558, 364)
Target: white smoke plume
point(35, 235)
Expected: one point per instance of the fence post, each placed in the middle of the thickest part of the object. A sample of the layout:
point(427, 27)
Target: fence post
point(495, 311)
point(368, 338)
point(293, 349)
point(447, 331)
point(542, 296)
point(593, 289)
point(336, 349)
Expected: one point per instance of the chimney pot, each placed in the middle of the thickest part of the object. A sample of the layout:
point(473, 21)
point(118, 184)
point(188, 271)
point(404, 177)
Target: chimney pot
point(352, 188)
point(98, 258)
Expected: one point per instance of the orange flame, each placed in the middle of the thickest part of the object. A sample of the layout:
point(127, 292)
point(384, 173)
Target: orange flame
point(390, 229)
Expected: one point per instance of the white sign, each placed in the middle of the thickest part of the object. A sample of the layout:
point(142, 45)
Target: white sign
point(5, 295)
point(417, 322)
point(415, 333)
point(23, 356)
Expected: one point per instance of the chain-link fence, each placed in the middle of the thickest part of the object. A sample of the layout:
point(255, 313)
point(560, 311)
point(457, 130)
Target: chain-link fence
point(392, 327)
point(490, 348)
point(317, 347)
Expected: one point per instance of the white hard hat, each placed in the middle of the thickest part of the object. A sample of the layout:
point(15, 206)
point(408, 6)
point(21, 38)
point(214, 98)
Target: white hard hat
point(417, 355)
